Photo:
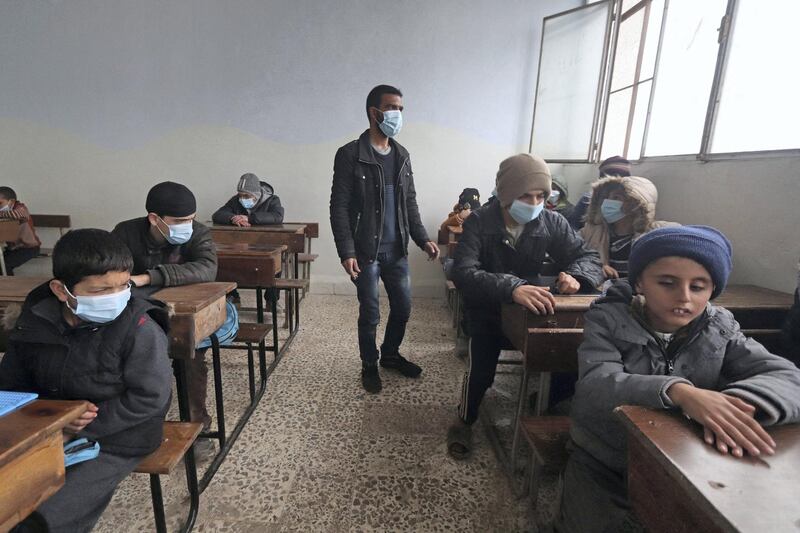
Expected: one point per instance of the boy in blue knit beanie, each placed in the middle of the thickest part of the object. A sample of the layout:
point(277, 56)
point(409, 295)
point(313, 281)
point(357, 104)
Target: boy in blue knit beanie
point(654, 340)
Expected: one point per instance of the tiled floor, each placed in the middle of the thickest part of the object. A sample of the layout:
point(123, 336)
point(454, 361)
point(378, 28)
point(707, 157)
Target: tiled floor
point(320, 454)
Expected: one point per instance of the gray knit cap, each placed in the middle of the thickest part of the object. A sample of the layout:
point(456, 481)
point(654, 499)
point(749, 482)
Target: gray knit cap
point(519, 174)
point(250, 184)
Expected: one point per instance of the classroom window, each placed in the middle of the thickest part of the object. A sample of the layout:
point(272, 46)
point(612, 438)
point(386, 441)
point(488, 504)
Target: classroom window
point(677, 77)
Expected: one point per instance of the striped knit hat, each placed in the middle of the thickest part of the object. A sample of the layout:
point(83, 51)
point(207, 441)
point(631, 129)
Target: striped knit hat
point(615, 166)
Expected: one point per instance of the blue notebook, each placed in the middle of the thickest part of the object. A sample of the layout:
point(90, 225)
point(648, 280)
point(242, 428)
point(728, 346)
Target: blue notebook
point(14, 400)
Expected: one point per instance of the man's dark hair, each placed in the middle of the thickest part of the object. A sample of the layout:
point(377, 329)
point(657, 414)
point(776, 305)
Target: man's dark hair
point(375, 95)
point(89, 252)
point(8, 193)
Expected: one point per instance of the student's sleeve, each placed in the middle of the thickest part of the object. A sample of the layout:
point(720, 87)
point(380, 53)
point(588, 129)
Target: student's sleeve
point(576, 217)
point(271, 213)
point(573, 256)
point(224, 214)
point(415, 226)
point(200, 263)
point(15, 375)
point(147, 377)
point(341, 196)
point(468, 274)
point(770, 382)
point(603, 382)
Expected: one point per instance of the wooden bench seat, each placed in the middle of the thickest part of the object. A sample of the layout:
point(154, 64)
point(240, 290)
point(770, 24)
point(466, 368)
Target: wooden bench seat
point(547, 437)
point(252, 332)
point(176, 444)
point(291, 284)
point(178, 438)
point(307, 258)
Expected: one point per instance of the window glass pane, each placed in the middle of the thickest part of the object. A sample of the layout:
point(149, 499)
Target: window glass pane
point(651, 41)
point(619, 105)
point(639, 116)
point(758, 108)
point(684, 77)
point(569, 75)
point(630, 34)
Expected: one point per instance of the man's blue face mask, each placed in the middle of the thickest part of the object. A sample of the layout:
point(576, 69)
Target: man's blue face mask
point(392, 122)
point(523, 212)
point(178, 233)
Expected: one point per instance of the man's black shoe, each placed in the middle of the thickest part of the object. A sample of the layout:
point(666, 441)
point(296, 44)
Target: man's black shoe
point(370, 379)
point(401, 364)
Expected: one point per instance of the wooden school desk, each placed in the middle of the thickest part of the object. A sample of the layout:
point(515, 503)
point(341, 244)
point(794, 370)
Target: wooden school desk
point(253, 266)
point(678, 483)
point(453, 235)
point(549, 342)
point(32, 456)
point(293, 236)
point(9, 231)
point(14, 289)
point(198, 311)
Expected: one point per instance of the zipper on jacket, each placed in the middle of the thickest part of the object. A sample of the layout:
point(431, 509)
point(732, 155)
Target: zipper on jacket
point(358, 221)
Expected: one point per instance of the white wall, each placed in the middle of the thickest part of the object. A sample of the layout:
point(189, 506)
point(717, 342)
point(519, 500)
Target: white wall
point(755, 202)
point(102, 99)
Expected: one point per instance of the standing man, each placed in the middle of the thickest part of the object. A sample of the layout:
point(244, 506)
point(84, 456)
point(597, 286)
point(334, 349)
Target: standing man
point(373, 214)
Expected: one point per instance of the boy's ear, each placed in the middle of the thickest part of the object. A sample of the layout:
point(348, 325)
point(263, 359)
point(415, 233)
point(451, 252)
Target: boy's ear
point(637, 288)
point(59, 290)
point(152, 218)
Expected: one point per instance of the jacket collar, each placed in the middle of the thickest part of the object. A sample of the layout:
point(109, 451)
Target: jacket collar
point(367, 155)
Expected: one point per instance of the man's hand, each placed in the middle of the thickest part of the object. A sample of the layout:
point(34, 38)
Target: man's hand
point(432, 250)
point(77, 425)
point(567, 284)
point(537, 299)
point(241, 221)
point(610, 272)
point(464, 213)
point(351, 267)
point(728, 422)
point(141, 280)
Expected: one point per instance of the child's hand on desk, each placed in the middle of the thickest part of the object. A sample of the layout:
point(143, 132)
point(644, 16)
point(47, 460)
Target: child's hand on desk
point(77, 425)
point(538, 300)
point(728, 422)
point(566, 284)
point(141, 280)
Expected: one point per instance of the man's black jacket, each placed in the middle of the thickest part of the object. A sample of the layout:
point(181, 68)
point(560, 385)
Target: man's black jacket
point(357, 200)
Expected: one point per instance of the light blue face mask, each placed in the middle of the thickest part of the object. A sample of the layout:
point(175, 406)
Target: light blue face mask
point(100, 309)
point(523, 212)
point(80, 450)
point(178, 233)
point(612, 210)
point(247, 203)
point(392, 122)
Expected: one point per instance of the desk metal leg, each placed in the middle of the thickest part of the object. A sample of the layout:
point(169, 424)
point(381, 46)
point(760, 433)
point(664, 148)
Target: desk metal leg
point(179, 370)
point(523, 389)
point(259, 306)
point(215, 355)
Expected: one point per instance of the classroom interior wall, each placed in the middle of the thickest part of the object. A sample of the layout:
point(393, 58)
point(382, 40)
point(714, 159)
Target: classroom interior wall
point(101, 100)
point(754, 201)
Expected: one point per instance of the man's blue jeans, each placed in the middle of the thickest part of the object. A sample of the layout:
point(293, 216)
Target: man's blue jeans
point(392, 268)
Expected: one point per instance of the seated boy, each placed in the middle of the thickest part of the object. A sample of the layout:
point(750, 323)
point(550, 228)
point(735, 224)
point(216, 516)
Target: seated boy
point(790, 341)
point(621, 210)
point(654, 340)
point(558, 200)
point(468, 201)
point(613, 166)
point(255, 204)
point(171, 248)
point(82, 336)
point(498, 260)
point(27, 244)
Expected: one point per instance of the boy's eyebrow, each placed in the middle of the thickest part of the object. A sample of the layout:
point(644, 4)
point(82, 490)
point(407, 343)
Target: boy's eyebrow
point(671, 277)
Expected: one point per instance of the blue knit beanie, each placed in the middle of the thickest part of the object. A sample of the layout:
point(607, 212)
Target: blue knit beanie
point(704, 244)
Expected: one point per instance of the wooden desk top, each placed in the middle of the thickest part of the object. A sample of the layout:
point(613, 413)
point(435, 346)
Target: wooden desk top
point(32, 423)
point(250, 249)
point(194, 298)
point(14, 289)
point(741, 297)
point(747, 494)
point(266, 228)
point(312, 228)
